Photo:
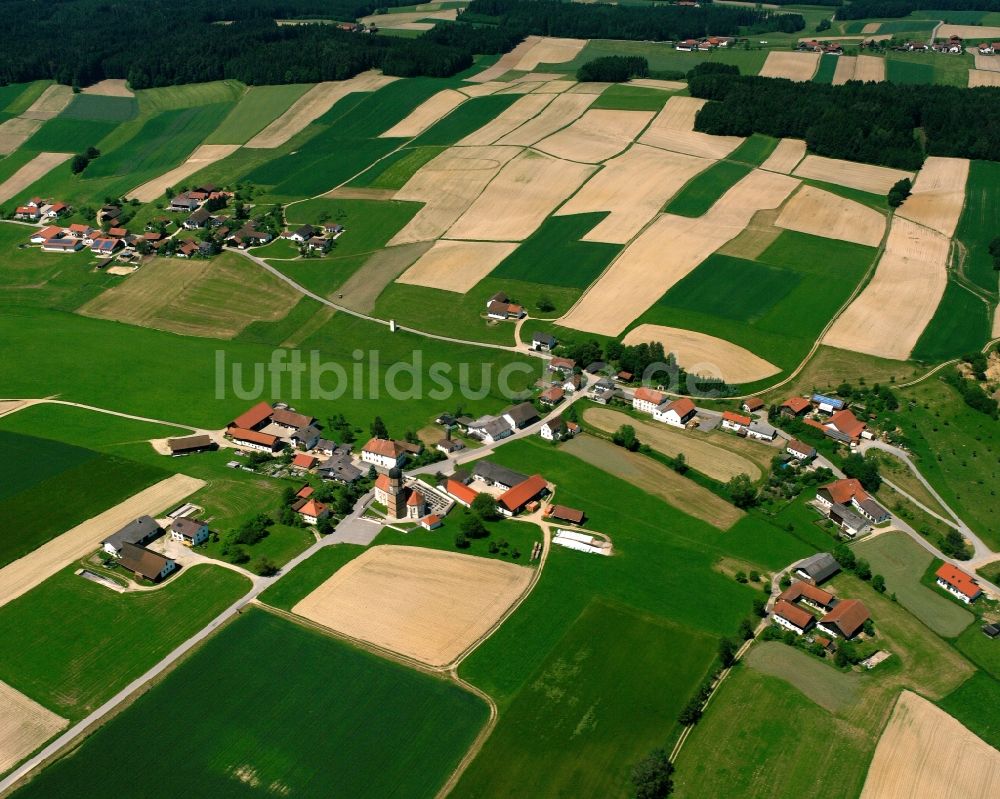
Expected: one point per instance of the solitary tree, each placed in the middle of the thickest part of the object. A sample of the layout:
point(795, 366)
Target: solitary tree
point(485, 506)
point(625, 436)
point(899, 192)
point(878, 583)
point(651, 776)
point(472, 527)
point(727, 652)
point(742, 491)
point(378, 428)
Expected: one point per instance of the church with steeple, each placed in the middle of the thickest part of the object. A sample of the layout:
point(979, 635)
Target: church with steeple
point(401, 501)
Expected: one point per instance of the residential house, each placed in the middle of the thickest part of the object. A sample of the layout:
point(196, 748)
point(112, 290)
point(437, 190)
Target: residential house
point(491, 429)
point(340, 468)
point(197, 220)
point(302, 461)
point(188, 444)
point(29, 213)
point(848, 424)
point(551, 396)
point(624, 377)
point(82, 232)
point(543, 342)
point(383, 453)
point(145, 563)
point(449, 445)
point(302, 234)
point(514, 500)
point(109, 213)
point(248, 237)
point(180, 202)
point(677, 413)
point(306, 437)
point(105, 246)
point(801, 591)
point(846, 620)
point(117, 232)
point(795, 406)
point(562, 365)
point(333, 229)
point(254, 439)
point(761, 431)
point(850, 492)
point(957, 583)
point(735, 422)
point(595, 367)
point(137, 532)
point(573, 383)
point(189, 532)
point(558, 429)
point(646, 400)
point(497, 476)
point(804, 452)
point(753, 404)
point(311, 510)
point(187, 248)
point(988, 48)
point(499, 306)
point(792, 618)
point(318, 244)
point(521, 415)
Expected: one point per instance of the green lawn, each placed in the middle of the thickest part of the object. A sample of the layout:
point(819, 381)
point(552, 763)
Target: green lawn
point(280, 545)
point(270, 708)
point(256, 109)
point(983, 651)
point(960, 325)
point(977, 227)
point(309, 575)
point(73, 643)
point(703, 190)
point(631, 98)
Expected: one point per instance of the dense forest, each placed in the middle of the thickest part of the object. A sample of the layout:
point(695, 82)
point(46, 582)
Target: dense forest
point(601, 21)
point(871, 122)
point(868, 9)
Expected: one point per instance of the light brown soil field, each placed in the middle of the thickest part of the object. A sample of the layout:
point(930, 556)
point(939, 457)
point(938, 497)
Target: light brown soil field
point(590, 88)
point(891, 312)
point(524, 87)
point(786, 156)
point(38, 166)
point(678, 113)
point(563, 109)
point(596, 136)
point(668, 250)
point(759, 234)
point(634, 187)
point(846, 64)
point(870, 68)
point(312, 105)
point(938, 194)
point(15, 132)
point(926, 752)
point(507, 120)
point(110, 87)
point(196, 297)
point(481, 89)
point(50, 103)
point(426, 114)
point(996, 323)
point(871, 27)
point(550, 51)
point(794, 66)
point(821, 213)
point(673, 129)
point(205, 155)
point(866, 177)
point(979, 33)
point(507, 61)
point(361, 289)
point(716, 462)
point(407, 19)
point(425, 604)
point(448, 185)
point(988, 63)
point(25, 573)
point(555, 86)
point(456, 265)
point(519, 199)
point(706, 355)
point(654, 83)
point(24, 726)
point(981, 77)
point(656, 479)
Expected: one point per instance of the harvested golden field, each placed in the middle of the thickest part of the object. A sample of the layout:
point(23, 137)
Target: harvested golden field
point(656, 479)
point(556, 115)
point(507, 62)
point(550, 51)
point(426, 604)
point(938, 194)
point(24, 726)
point(519, 199)
point(426, 114)
point(821, 213)
point(507, 120)
point(866, 177)
point(926, 752)
point(590, 87)
point(37, 167)
point(715, 461)
point(50, 103)
point(205, 155)
point(110, 87)
point(758, 235)
point(481, 89)
point(360, 291)
point(15, 132)
point(794, 66)
point(978, 32)
point(410, 20)
point(889, 315)
point(987, 63)
point(655, 83)
point(596, 136)
point(555, 86)
point(634, 187)
point(870, 68)
point(982, 77)
point(456, 265)
point(786, 156)
point(844, 72)
point(448, 185)
point(673, 129)
point(669, 249)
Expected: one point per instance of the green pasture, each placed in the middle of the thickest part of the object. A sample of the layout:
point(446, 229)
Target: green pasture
point(269, 707)
point(16, 98)
point(309, 575)
point(755, 150)
point(67, 135)
point(100, 108)
point(282, 330)
point(981, 650)
point(832, 690)
point(945, 70)
point(520, 537)
point(631, 98)
point(961, 324)
point(257, 108)
point(661, 56)
point(977, 226)
point(394, 170)
point(909, 71)
point(280, 545)
point(827, 66)
point(309, 178)
point(469, 117)
point(189, 95)
point(976, 703)
point(701, 192)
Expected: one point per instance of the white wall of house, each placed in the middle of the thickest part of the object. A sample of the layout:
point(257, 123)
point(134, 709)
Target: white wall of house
point(783, 622)
point(953, 591)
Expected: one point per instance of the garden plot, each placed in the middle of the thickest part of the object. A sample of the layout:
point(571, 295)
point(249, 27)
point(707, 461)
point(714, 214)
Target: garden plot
point(844, 72)
point(519, 112)
point(668, 250)
point(205, 155)
point(980, 77)
point(110, 87)
point(926, 752)
point(15, 132)
point(519, 199)
point(633, 187)
point(786, 156)
point(793, 66)
point(456, 265)
point(821, 213)
point(938, 194)
point(596, 136)
point(448, 185)
point(53, 100)
point(426, 114)
point(673, 129)
point(556, 115)
point(425, 604)
point(866, 177)
point(888, 317)
point(40, 165)
point(312, 105)
point(705, 355)
point(550, 51)
point(24, 726)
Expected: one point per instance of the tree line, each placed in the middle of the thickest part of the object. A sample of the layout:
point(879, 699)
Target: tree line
point(614, 69)
point(893, 9)
point(873, 123)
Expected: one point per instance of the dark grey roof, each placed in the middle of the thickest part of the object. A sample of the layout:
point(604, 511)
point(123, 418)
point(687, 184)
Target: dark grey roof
point(544, 338)
point(199, 216)
point(819, 566)
point(325, 443)
point(595, 367)
point(494, 473)
point(306, 231)
point(305, 433)
point(522, 414)
point(836, 435)
point(137, 531)
point(187, 526)
point(763, 428)
point(873, 509)
point(855, 520)
point(495, 428)
point(339, 467)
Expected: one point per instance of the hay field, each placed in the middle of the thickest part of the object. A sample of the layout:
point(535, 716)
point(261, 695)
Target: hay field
point(981, 77)
point(550, 51)
point(15, 132)
point(25, 573)
point(53, 100)
point(926, 752)
point(456, 265)
point(556, 86)
point(448, 185)
point(633, 187)
point(590, 87)
point(832, 690)
point(705, 355)
point(869, 68)
point(110, 87)
point(718, 463)
point(978, 32)
point(312, 105)
point(426, 604)
point(426, 114)
point(844, 72)
point(938, 194)
point(673, 129)
point(410, 20)
point(40, 165)
point(656, 479)
point(786, 156)
point(987, 63)
point(866, 177)
point(794, 66)
point(518, 200)
point(668, 250)
point(481, 89)
point(507, 61)
point(596, 136)
point(205, 155)
point(821, 213)
point(507, 120)
point(556, 115)
point(892, 311)
point(24, 726)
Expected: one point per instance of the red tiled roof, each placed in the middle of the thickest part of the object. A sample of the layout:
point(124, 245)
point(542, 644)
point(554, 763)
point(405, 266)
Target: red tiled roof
point(754, 403)
point(553, 394)
point(384, 446)
point(303, 460)
point(842, 491)
point(50, 232)
point(461, 491)
point(566, 514)
point(801, 589)
point(431, 519)
point(415, 498)
point(796, 404)
point(847, 423)
point(797, 616)
point(682, 406)
point(737, 418)
point(521, 494)
point(649, 395)
point(260, 412)
point(305, 492)
point(313, 508)
point(848, 616)
point(253, 436)
point(382, 482)
point(959, 580)
point(78, 228)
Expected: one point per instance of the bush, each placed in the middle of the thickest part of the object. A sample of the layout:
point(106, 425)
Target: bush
point(727, 652)
point(899, 192)
point(472, 527)
point(625, 436)
point(485, 506)
point(265, 567)
point(461, 542)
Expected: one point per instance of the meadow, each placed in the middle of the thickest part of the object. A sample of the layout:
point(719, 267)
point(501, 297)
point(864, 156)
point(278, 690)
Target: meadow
point(305, 578)
point(75, 643)
point(395, 169)
point(257, 108)
point(631, 98)
point(824, 74)
point(960, 325)
point(371, 727)
point(99, 108)
point(470, 116)
point(18, 97)
point(952, 70)
point(662, 56)
point(702, 191)
point(977, 226)
point(67, 135)
point(976, 703)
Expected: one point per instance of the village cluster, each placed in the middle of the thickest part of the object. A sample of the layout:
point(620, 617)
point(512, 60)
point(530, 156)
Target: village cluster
point(953, 45)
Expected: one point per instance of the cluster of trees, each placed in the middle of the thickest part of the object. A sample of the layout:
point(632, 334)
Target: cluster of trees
point(473, 525)
point(873, 122)
point(900, 190)
point(787, 481)
point(994, 250)
point(972, 393)
point(893, 9)
point(614, 69)
point(864, 470)
point(82, 160)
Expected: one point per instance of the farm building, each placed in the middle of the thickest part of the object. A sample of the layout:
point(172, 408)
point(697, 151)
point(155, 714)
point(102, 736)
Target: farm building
point(817, 568)
point(850, 523)
point(521, 415)
point(190, 532)
point(561, 365)
point(735, 422)
point(431, 522)
point(514, 500)
point(551, 396)
point(449, 445)
point(65, 244)
point(849, 492)
point(303, 461)
point(189, 444)
point(137, 532)
point(340, 468)
point(564, 514)
point(646, 400)
point(306, 437)
point(792, 618)
point(801, 591)
point(761, 431)
point(803, 452)
point(543, 342)
point(795, 406)
point(255, 418)
point(752, 404)
point(291, 420)
point(460, 492)
point(677, 413)
point(497, 476)
point(145, 563)
point(828, 405)
point(254, 439)
point(846, 619)
point(956, 582)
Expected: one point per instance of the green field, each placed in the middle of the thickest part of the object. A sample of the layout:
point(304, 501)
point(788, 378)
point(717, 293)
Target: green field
point(951, 70)
point(983, 651)
point(827, 66)
point(908, 71)
point(73, 643)
point(977, 227)
point(310, 713)
point(18, 97)
point(612, 684)
point(631, 98)
point(99, 108)
point(662, 56)
point(834, 691)
point(394, 170)
point(755, 150)
point(703, 190)
point(976, 703)
point(960, 325)
point(257, 109)
point(470, 116)
point(309, 575)
point(62, 135)
point(189, 95)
